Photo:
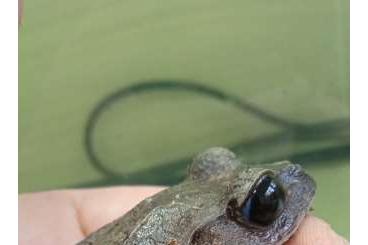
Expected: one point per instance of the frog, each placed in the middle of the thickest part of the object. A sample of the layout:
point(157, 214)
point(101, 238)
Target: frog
point(222, 201)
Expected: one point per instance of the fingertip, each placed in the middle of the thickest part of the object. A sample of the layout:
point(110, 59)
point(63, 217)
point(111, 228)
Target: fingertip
point(315, 231)
point(99, 206)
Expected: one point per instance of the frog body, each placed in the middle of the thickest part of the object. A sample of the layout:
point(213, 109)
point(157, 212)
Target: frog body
point(222, 201)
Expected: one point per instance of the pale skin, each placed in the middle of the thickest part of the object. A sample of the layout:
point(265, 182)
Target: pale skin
point(67, 216)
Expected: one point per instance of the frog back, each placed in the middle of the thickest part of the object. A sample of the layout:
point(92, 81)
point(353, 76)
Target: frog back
point(169, 217)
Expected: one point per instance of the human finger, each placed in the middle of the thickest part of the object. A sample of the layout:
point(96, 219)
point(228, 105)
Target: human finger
point(314, 231)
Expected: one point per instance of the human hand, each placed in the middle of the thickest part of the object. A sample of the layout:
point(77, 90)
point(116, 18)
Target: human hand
point(66, 217)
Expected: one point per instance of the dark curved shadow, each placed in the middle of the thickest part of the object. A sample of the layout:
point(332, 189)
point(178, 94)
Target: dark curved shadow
point(170, 85)
point(172, 172)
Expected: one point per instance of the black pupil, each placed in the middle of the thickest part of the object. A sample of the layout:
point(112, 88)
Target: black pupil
point(265, 203)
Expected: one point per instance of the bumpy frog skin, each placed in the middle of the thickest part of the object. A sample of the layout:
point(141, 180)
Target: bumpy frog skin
point(206, 208)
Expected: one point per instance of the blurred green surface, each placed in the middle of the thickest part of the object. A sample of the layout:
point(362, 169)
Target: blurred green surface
point(289, 58)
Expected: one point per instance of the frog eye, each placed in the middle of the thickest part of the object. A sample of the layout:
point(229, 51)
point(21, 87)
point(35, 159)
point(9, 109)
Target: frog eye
point(265, 202)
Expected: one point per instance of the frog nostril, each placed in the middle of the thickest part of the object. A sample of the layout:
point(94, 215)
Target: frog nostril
point(296, 170)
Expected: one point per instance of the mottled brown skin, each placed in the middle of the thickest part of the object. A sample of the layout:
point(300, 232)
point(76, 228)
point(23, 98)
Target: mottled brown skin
point(197, 210)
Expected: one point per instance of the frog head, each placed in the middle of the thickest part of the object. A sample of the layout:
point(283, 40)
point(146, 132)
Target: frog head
point(259, 205)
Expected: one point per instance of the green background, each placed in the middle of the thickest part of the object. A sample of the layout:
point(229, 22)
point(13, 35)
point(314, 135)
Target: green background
point(289, 58)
